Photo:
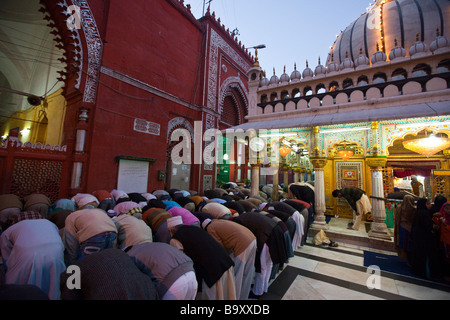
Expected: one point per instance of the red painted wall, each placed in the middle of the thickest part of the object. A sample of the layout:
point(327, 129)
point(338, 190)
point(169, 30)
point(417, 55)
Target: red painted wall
point(153, 42)
point(158, 45)
point(150, 41)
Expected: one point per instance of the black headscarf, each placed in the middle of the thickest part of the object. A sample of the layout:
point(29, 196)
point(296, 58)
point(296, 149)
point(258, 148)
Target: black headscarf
point(438, 202)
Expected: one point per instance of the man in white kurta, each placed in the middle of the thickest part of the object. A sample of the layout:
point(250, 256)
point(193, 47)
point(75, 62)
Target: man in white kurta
point(240, 243)
point(33, 253)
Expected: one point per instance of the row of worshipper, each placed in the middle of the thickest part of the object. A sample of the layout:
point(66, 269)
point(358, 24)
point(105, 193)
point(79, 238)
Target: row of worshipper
point(422, 235)
point(11, 204)
point(128, 233)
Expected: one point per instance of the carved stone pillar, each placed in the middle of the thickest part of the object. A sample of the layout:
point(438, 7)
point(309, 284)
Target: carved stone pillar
point(378, 226)
point(285, 175)
point(79, 157)
point(319, 194)
point(296, 174)
point(275, 169)
point(255, 179)
point(302, 175)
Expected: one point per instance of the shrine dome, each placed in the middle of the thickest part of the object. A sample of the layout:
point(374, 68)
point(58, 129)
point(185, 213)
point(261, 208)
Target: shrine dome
point(284, 77)
point(274, 79)
point(295, 75)
point(389, 20)
point(264, 81)
point(320, 70)
point(362, 60)
point(307, 72)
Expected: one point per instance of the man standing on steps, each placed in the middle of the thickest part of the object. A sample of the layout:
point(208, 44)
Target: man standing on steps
point(358, 200)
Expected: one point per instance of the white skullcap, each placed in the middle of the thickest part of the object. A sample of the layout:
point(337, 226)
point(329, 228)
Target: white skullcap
point(174, 221)
point(205, 223)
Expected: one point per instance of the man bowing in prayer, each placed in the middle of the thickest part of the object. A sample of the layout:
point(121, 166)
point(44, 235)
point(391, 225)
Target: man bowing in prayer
point(358, 200)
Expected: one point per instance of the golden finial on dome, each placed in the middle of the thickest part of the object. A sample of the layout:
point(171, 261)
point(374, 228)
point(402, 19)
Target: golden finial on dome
point(307, 63)
point(417, 36)
point(395, 42)
point(319, 60)
point(295, 65)
point(256, 64)
point(438, 33)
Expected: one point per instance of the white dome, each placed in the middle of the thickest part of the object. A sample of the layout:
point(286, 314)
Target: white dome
point(362, 60)
point(264, 81)
point(274, 79)
point(379, 56)
point(284, 77)
point(295, 75)
point(347, 63)
point(440, 44)
point(419, 48)
point(397, 53)
point(332, 66)
point(401, 19)
point(319, 70)
point(307, 73)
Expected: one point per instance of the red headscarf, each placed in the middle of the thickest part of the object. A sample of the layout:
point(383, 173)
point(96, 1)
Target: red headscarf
point(446, 216)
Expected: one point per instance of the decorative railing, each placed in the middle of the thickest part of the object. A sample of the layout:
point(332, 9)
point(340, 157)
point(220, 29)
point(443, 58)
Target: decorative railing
point(29, 146)
point(427, 83)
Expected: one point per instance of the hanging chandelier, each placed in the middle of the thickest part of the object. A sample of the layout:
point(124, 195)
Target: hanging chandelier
point(427, 146)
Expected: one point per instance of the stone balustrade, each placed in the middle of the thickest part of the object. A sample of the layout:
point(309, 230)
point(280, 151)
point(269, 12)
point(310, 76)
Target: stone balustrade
point(381, 90)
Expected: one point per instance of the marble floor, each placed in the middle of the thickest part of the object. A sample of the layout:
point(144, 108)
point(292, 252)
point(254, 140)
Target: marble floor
point(324, 273)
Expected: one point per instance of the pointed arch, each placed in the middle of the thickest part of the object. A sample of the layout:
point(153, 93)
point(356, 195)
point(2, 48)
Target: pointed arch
point(233, 100)
point(179, 122)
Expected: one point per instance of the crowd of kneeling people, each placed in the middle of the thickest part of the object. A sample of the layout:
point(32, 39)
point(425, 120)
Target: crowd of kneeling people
point(169, 245)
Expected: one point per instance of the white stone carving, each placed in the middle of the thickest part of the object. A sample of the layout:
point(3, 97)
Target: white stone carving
point(233, 82)
point(95, 48)
point(210, 121)
point(79, 48)
point(179, 122)
point(148, 127)
point(216, 43)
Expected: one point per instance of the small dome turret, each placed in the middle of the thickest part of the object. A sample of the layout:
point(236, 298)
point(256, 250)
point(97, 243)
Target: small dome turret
point(307, 73)
point(418, 49)
point(274, 79)
point(347, 64)
point(397, 53)
point(332, 66)
point(362, 61)
point(284, 77)
point(264, 81)
point(378, 57)
point(295, 75)
point(440, 44)
point(320, 70)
